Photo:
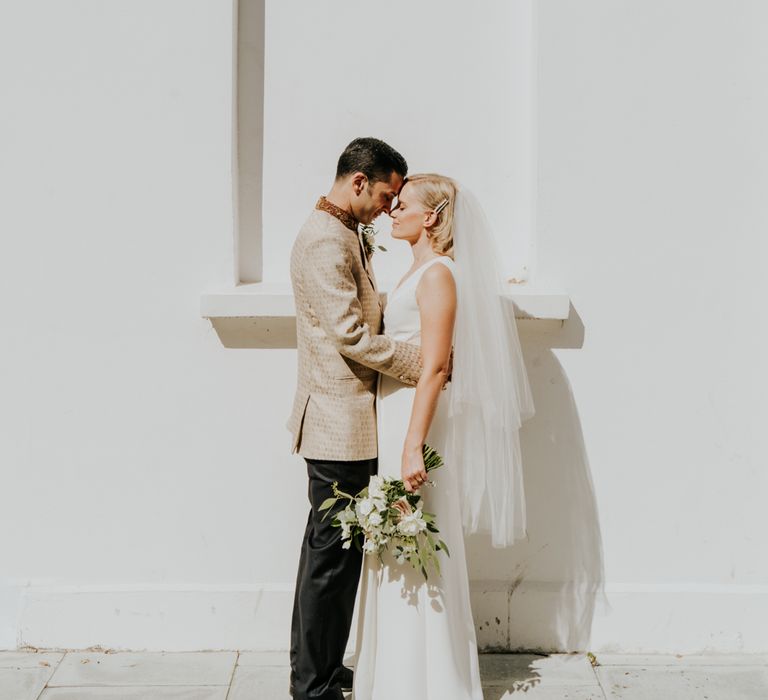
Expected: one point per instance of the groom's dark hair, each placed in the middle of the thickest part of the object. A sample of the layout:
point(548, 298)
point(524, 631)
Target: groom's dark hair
point(374, 158)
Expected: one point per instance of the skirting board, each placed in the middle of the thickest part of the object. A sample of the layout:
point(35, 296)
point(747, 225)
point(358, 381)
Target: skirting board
point(532, 616)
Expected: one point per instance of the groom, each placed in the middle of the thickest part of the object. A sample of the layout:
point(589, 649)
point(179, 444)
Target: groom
point(340, 352)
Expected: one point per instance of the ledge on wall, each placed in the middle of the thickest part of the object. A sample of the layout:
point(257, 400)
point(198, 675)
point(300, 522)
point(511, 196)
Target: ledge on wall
point(262, 315)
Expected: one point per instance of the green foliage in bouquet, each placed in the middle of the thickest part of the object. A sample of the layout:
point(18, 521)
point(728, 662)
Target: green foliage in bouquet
point(386, 517)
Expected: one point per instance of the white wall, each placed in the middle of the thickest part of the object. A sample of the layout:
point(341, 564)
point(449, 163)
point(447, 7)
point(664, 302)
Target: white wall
point(148, 499)
point(651, 213)
point(447, 85)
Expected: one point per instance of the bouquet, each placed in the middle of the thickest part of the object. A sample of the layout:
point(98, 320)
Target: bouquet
point(389, 518)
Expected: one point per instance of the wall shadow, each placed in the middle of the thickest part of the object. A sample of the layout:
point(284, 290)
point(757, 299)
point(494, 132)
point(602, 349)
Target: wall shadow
point(554, 580)
point(262, 332)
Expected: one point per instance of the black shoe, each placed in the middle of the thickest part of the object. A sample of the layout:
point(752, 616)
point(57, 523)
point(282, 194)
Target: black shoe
point(346, 675)
point(345, 680)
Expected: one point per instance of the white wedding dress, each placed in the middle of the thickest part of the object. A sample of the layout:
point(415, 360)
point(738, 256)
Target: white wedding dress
point(415, 639)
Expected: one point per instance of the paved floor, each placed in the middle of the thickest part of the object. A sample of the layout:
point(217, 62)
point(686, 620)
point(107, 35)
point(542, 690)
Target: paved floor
point(224, 675)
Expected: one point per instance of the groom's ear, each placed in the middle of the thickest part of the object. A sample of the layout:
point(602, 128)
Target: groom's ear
point(359, 182)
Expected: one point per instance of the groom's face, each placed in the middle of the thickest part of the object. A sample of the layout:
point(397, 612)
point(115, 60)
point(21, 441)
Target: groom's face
point(376, 198)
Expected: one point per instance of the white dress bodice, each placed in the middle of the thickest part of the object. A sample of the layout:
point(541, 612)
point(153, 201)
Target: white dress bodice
point(401, 314)
point(416, 640)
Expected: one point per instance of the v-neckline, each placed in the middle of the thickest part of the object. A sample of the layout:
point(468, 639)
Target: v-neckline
point(405, 279)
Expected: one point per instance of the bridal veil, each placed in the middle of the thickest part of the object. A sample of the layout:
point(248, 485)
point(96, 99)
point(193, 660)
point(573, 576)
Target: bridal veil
point(490, 395)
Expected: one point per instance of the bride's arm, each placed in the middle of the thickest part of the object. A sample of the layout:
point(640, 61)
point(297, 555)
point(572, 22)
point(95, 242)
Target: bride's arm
point(436, 296)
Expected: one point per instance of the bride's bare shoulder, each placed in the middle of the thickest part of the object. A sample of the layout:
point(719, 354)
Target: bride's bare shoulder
point(437, 280)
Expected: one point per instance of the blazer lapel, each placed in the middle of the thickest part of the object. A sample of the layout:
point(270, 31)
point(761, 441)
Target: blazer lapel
point(366, 262)
point(368, 268)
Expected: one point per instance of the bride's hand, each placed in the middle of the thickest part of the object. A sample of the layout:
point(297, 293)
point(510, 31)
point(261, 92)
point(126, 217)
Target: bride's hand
point(413, 472)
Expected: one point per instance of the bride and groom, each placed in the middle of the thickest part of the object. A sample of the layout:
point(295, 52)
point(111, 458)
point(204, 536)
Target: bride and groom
point(442, 365)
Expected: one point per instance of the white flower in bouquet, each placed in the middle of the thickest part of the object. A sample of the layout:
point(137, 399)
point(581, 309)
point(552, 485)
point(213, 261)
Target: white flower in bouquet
point(411, 524)
point(376, 488)
point(388, 518)
point(364, 506)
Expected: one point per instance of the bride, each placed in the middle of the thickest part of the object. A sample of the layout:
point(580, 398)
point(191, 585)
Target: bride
point(415, 638)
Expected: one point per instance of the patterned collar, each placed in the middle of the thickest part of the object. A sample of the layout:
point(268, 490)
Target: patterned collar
point(344, 216)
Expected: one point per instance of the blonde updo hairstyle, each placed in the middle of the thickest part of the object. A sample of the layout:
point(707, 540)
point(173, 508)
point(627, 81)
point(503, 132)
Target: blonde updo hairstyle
point(431, 190)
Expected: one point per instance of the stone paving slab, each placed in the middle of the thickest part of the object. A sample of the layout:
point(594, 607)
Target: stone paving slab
point(590, 692)
point(168, 692)
point(520, 671)
point(689, 683)
point(30, 659)
point(207, 676)
point(145, 668)
point(23, 683)
point(264, 658)
point(251, 682)
point(682, 659)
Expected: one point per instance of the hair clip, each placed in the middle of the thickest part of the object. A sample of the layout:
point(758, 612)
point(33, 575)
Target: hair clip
point(441, 206)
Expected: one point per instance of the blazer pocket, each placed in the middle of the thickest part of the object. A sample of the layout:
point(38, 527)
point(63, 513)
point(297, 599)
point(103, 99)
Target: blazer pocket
point(356, 377)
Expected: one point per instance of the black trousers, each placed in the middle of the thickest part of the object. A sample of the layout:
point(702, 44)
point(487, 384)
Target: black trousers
point(326, 585)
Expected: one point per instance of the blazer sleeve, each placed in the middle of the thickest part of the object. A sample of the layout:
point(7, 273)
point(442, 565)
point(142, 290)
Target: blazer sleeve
point(331, 291)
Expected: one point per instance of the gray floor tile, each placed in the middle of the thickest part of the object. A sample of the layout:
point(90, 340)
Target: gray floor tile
point(257, 675)
point(682, 659)
point(168, 692)
point(255, 683)
point(30, 659)
point(145, 668)
point(264, 658)
point(492, 692)
point(528, 670)
point(23, 683)
point(690, 683)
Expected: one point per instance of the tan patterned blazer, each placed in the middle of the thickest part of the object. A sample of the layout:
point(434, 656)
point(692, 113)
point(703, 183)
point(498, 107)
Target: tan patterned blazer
point(340, 346)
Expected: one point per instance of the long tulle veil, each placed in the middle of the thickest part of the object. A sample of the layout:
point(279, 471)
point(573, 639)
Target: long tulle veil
point(490, 394)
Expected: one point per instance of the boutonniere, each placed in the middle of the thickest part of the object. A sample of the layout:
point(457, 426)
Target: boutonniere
point(368, 234)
